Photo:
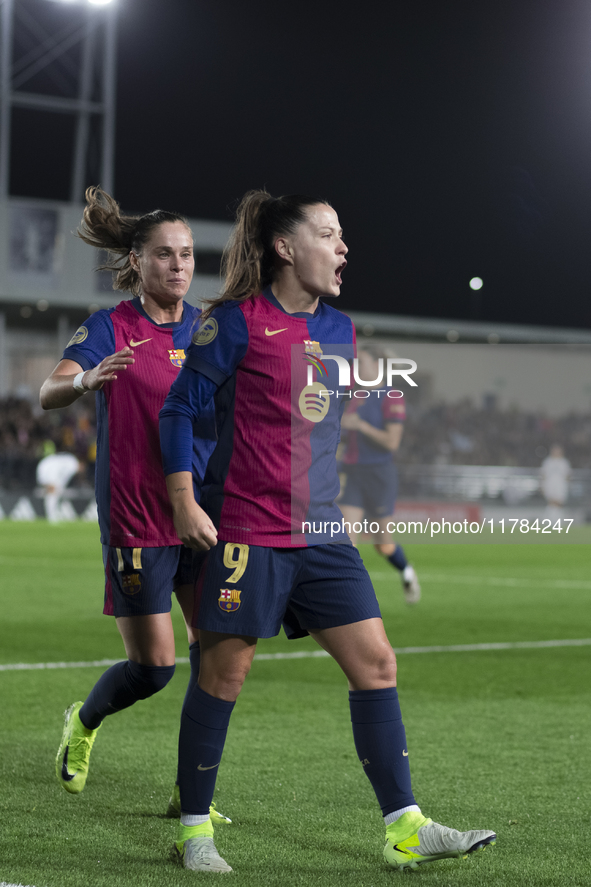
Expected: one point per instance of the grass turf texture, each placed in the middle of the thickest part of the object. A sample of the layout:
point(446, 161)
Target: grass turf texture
point(497, 739)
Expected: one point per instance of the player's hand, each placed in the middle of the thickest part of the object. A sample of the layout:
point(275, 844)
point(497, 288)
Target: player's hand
point(107, 369)
point(351, 421)
point(195, 528)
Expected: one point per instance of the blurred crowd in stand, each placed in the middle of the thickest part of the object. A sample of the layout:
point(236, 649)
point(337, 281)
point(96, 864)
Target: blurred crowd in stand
point(27, 434)
point(444, 434)
point(464, 434)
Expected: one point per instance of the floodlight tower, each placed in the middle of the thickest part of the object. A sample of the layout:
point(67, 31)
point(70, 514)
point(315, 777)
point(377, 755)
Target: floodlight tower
point(72, 50)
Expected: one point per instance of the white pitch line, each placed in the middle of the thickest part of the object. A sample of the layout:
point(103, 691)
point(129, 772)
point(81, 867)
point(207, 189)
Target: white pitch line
point(321, 654)
point(493, 580)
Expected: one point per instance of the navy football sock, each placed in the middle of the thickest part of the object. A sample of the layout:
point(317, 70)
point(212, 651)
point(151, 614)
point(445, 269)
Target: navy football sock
point(204, 725)
point(398, 559)
point(195, 662)
point(380, 741)
point(120, 686)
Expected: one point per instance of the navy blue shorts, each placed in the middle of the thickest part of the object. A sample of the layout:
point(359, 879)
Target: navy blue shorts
point(247, 589)
point(371, 487)
point(140, 581)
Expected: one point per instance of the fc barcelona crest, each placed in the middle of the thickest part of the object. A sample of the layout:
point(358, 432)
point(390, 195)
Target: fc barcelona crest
point(229, 599)
point(312, 347)
point(131, 583)
point(177, 356)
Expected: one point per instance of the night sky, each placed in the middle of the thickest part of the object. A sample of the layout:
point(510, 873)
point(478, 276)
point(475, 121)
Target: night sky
point(453, 139)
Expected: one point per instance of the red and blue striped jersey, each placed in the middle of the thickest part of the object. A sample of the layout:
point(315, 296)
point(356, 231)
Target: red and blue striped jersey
point(133, 505)
point(273, 470)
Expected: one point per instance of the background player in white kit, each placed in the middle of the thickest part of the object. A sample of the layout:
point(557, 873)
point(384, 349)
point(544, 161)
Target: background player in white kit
point(555, 474)
point(54, 473)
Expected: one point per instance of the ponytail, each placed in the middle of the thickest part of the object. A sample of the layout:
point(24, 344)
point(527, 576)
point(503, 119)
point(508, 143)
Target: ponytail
point(104, 227)
point(249, 259)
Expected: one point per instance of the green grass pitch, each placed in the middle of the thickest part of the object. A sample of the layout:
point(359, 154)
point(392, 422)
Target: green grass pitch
point(498, 739)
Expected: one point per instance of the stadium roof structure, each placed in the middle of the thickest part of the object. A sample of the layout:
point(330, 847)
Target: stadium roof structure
point(436, 329)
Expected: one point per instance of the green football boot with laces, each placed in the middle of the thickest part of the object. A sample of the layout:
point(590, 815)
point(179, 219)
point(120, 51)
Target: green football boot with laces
point(414, 840)
point(71, 763)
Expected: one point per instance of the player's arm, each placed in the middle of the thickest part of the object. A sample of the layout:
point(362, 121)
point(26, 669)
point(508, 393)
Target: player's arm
point(210, 362)
point(58, 389)
point(193, 527)
point(389, 437)
point(185, 403)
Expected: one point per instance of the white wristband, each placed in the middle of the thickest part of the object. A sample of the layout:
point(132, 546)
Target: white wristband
point(77, 383)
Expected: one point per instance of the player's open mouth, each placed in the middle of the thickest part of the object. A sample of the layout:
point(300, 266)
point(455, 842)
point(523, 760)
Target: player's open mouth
point(339, 272)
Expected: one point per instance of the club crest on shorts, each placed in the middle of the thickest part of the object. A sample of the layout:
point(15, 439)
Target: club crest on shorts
point(177, 356)
point(131, 583)
point(229, 600)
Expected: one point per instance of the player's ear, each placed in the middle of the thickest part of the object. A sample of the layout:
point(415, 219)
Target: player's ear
point(284, 250)
point(134, 261)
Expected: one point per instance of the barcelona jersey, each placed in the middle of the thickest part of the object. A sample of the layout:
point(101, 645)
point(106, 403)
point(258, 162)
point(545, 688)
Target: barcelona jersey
point(133, 505)
point(279, 384)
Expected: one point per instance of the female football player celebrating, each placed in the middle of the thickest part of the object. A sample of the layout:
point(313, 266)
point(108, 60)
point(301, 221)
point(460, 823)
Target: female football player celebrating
point(129, 355)
point(273, 356)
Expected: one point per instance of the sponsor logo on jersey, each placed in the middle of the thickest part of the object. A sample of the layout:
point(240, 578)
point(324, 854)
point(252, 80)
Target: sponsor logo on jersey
point(79, 336)
point(131, 583)
point(177, 356)
point(314, 402)
point(133, 344)
point(269, 332)
point(229, 600)
point(206, 332)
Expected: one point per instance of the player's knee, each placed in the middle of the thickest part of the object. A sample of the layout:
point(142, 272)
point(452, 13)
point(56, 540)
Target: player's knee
point(145, 680)
point(385, 666)
point(385, 548)
point(226, 682)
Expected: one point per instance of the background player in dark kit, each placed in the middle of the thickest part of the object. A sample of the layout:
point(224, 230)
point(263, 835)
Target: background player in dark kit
point(250, 354)
point(373, 428)
point(129, 355)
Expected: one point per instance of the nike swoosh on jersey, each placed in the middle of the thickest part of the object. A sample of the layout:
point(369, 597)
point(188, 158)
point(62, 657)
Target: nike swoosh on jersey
point(135, 344)
point(66, 775)
point(199, 767)
point(269, 332)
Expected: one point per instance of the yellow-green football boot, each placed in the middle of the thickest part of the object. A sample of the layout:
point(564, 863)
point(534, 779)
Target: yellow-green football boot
point(174, 809)
point(71, 763)
point(414, 840)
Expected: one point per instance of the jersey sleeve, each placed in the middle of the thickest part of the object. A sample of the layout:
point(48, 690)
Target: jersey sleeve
point(393, 409)
point(187, 401)
point(219, 344)
point(92, 342)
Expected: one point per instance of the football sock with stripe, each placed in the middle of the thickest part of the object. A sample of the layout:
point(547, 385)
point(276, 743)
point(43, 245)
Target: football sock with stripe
point(204, 725)
point(120, 686)
point(398, 559)
point(380, 741)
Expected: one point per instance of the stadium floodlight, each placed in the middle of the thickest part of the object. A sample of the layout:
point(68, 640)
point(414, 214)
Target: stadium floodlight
point(476, 283)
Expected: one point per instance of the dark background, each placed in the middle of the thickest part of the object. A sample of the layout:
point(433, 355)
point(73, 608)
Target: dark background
point(453, 138)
